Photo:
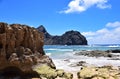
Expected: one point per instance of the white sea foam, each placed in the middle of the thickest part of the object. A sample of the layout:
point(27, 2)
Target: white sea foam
point(58, 49)
point(48, 54)
point(114, 46)
point(62, 64)
point(65, 63)
point(51, 49)
point(63, 56)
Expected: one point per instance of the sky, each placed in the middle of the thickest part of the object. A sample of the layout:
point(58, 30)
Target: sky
point(97, 20)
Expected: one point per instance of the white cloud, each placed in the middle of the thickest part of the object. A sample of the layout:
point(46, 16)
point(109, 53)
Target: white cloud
point(113, 24)
point(102, 31)
point(83, 5)
point(88, 33)
point(105, 35)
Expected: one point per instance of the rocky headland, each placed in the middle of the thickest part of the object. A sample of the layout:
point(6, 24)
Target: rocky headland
point(21, 49)
point(68, 38)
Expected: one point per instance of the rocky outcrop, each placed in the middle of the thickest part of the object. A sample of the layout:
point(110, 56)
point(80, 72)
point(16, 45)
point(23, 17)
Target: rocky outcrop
point(105, 72)
point(21, 47)
point(95, 53)
point(68, 38)
point(52, 73)
point(114, 51)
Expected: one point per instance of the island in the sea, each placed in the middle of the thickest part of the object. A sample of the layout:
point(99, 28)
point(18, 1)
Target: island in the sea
point(68, 38)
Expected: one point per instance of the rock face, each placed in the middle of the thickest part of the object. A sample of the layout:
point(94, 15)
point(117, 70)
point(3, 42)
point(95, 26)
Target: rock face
point(69, 38)
point(21, 47)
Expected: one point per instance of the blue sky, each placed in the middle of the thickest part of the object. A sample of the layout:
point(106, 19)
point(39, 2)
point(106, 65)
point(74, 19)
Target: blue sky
point(98, 20)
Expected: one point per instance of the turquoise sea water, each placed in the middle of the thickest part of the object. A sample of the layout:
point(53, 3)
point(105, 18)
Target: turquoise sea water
point(59, 51)
point(64, 56)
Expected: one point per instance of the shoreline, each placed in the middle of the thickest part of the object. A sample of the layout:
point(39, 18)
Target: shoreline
point(74, 61)
point(84, 65)
point(73, 65)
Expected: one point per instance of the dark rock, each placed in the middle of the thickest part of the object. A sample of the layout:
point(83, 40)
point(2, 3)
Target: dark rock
point(68, 38)
point(113, 51)
point(16, 73)
point(42, 29)
point(80, 63)
point(21, 47)
point(95, 53)
point(114, 59)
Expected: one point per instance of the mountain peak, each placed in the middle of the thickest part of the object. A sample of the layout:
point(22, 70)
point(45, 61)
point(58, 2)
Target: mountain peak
point(41, 28)
point(68, 38)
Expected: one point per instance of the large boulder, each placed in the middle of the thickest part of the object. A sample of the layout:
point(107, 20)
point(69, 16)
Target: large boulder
point(21, 47)
point(68, 38)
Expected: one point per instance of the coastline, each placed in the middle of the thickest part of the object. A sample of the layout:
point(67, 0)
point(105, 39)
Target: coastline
point(73, 61)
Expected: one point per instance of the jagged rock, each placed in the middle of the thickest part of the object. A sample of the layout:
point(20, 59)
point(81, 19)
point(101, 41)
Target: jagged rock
point(21, 47)
point(68, 38)
point(42, 29)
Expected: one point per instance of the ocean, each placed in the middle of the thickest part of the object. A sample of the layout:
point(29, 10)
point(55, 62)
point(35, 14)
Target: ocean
point(64, 56)
point(59, 51)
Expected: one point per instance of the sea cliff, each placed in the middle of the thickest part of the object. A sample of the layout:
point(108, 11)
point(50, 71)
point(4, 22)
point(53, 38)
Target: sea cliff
point(21, 49)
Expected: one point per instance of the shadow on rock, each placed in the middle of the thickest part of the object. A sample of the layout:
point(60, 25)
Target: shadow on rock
point(16, 73)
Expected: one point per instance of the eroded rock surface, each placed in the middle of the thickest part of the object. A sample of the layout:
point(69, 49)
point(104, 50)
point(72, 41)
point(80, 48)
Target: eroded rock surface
point(105, 72)
point(50, 73)
point(21, 47)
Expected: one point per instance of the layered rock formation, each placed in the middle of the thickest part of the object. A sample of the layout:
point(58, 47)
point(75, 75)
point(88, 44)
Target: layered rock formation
point(68, 38)
point(21, 48)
